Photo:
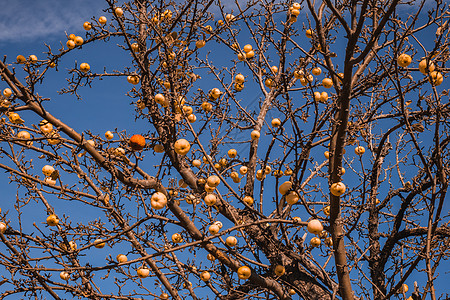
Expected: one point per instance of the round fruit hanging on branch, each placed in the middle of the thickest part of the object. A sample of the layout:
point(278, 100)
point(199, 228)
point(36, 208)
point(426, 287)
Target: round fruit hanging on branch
point(137, 142)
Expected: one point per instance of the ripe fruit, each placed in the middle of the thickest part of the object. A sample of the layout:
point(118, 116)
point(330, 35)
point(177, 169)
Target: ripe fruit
point(205, 276)
point(244, 272)
point(314, 226)
point(52, 220)
point(176, 238)
point(229, 18)
point(137, 142)
point(158, 148)
point(248, 48)
point(164, 296)
point(78, 40)
point(359, 150)
point(436, 78)
point(64, 275)
point(196, 163)
point(133, 79)
point(250, 54)
point(158, 200)
point(70, 44)
point(292, 292)
point(45, 126)
point(182, 146)
point(403, 289)
point(255, 135)
point(7, 92)
point(213, 180)
point(210, 199)
point(239, 78)
point(280, 270)
point(327, 83)
point(232, 153)
point(215, 93)
point(87, 26)
point(323, 97)
point(285, 187)
point(118, 11)
point(135, 47)
point(99, 243)
point(143, 272)
point(326, 210)
point(200, 44)
point(213, 229)
point(102, 20)
point(315, 242)
point(2, 227)
point(49, 180)
point(32, 58)
point(423, 66)
point(309, 33)
point(231, 241)
point(327, 154)
point(276, 122)
point(48, 170)
point(404, 60)
point(21, 59)
point(109, 135)
point(329, 241)
point(243, 170)
point(85, 67)
point(337, 189)
point(316, 71)
point(248, 200)
point(292, 197)
point(121, 258)
point(218, 223)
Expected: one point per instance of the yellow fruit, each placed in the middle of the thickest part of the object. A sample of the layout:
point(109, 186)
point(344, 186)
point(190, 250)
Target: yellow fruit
point(250, 54)
point(276, 122)
point(248, 200)
point(215, 93)
point(47, 170)
point(314, 226)
point(326, 210)
point(118, 11)
point(206, 106)
point(285, 187)
point(229, 18)
point(182, 147)
point(218, 223)
point(232, 153)
point(309, 33)
point(404, 60)
point(316, 71)
point(213, 180)
point(292, 197)
point(244, 272)
point(135, 47)
point(292, 292)
point(205, 276)
point(143, 273)
point(200, 44)
point(99, 243)
point(32, 58)
point(121, 258)
point(255, 135)
point(317, 96)
point(109, 135)
point(7, 92)
point(436, 78)
point(78, 40)
point(84, 67)
point(239, 78)
point(337, 189)
point(102, 20)
point(87, 26)
point(359, 150)
point(231, 241)
point(248, 48)
point(2, 227)
point(26, 136)
point(213, 229)
point(21, 59)
point(210, 199)
point(327, 83)
point(158, 200)
point(243, 170)
point(280, 270)
point(52, 220)
point(70, 44)
point(64, 276)
point(196, 163)
point(315, 242)
point(177, 238)
point(327, 154)
point(133, 79)
point(423, 66)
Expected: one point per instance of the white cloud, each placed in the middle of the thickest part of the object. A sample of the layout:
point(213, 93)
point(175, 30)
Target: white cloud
point(22, 20)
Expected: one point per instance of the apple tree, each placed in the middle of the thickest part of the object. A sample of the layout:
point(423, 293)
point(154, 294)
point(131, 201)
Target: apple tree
point(285, 150)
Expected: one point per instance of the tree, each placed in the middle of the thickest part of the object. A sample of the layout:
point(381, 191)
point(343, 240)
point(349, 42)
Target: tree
point(226, 192)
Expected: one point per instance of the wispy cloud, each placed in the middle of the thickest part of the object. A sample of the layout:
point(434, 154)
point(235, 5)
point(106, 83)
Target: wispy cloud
point(31, 20)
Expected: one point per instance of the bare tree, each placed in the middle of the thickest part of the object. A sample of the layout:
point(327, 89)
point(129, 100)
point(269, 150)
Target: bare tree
point(240, 187)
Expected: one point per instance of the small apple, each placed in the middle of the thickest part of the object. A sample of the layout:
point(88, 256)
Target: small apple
point(359, 150)
point(70, 44)
point(314, 226)
point(327, 154)
point(118, 11)
point(2, 227)
point(218, 223)
point(337, 189)
point(213, 180)
point(143, 272)
point(316, 71)
point(205, 276)
point(213, 229)
point(326, 210)
point(255, 135)
point(239, 78)
point(404, 60)
point(317, 96)
point(32, 58)
point(52, 220)
point(84, 67)
point(102, 20)
point(160, 99)
point(121, 258)
point(215, 93)
point(260, 175)
point(297, 219)
point(158, 200)
point(248, 48)
point(285, 187)
point(315, 242)
point(164, 296)
point(329, 241)
point(26, 136)
point(99, 243)
point(109, 135)
point(137, 142)
point(296, 5)
point(158, 148)
point(7, 92)
point(209, 189)
point(243, 170)
point(21, 59)
point(436, 78)
point(292, 292)
point(196, 163)
point(182, 146)
point(64, 275)
point(210, 199)
point(323, 97)
point(248, 200)
point(309, 33)
point(423, 66)
point(232, 153)
point(200, 44)
point(244, 272)
point(327, 83)
point(49, 180)
point(276, 122)
point(229, 18)
point(292, 197)
point(206, 106)
point(47, 170)
point(280, 270)
point(133, 79)
point(177, 238)
point(87, 26)
point(78, 40)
